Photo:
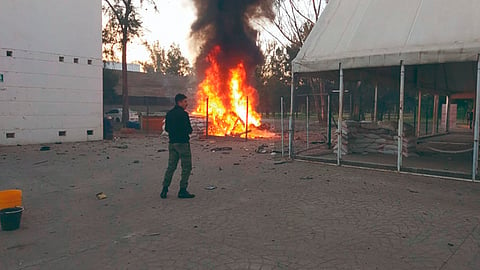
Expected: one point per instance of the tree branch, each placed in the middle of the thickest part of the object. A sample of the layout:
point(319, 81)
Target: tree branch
point(114, 11)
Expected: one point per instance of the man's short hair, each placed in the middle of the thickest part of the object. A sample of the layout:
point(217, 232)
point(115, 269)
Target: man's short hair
point(179, 97)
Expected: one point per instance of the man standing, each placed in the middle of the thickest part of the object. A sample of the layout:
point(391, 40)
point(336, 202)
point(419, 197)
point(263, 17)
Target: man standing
point(177, 124)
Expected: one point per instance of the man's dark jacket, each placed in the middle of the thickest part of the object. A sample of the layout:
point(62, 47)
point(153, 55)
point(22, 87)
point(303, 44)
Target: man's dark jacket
point(177, 124)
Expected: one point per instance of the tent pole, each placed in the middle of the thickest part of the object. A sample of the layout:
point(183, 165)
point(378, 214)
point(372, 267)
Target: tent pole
point(375, 104)
point(447, 112)
point(340, 117)
point(308, 123)
point(206, 119)
point(329, 134)
point(290, 124)
point(419, 112)
point(400, 118)
point(435, 115)
point(281, 124)
point(476, 123)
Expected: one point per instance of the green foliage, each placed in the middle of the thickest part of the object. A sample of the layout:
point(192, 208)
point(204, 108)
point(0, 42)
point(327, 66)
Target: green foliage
point(124, 24)
point(166, 62)
point(274, 77)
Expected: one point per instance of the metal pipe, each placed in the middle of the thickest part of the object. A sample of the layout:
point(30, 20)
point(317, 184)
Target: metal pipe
point(419, 112)
point(435, 115)
point(281, 124)
point(329, 134)
point(447, 109)
point(375, 104)
point(400, 118)
point(246, 122)
point(340, 117)
point(290, 124)
point(476, 124)
point(307, 119)
point(206, 120)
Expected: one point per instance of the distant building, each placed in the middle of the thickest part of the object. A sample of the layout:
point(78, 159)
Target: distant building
point(118, 66)
point(50, 71)
point(155, 88)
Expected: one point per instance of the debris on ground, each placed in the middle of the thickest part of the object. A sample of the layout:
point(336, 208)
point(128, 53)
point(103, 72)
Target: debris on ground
point(45, 148)
point(123, 146)
point(210, 187)
point(101, 196)
point(306, 178)
point(261, 149)
point(161, 150)
point(221, 149)
point(413, 191)
point(40, 162)
point(136, 161)
point(279, 162)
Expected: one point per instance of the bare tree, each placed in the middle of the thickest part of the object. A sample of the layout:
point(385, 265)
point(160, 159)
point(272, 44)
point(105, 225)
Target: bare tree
point(295, 20)
point(124, 24)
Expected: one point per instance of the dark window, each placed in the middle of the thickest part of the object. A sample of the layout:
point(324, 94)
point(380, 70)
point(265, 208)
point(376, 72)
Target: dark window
point(75, 60)
point(10, 135)
point(62, 133)
point(61, 59)
point(10, 53)
point(89, 132)
point(89, 61)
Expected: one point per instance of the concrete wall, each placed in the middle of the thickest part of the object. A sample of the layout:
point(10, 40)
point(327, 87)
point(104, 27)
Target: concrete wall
point(50, 58)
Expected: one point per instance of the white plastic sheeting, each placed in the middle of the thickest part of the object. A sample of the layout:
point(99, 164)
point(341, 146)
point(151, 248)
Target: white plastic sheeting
point(376, 33)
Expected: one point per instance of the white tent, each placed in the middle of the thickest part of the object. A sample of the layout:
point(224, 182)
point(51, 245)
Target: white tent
point(359, 35)
point(375, 33)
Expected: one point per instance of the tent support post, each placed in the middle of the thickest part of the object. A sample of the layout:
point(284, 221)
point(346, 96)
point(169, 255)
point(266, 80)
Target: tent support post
point(290, 124)
point(340, 117)
point(400, 118)
point(476, 123)
point(281, 124)
point(308, 122)
point(329, 134)
point(435, 115)
point(375, 106)
point(419, 112)
point(447, 112)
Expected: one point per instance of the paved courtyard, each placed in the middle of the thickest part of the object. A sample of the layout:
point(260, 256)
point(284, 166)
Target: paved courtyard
point(262, 213)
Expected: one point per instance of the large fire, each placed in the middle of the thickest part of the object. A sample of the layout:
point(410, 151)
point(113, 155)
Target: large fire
point(231, 101)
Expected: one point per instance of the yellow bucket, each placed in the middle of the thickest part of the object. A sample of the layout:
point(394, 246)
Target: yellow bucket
point(10, 198)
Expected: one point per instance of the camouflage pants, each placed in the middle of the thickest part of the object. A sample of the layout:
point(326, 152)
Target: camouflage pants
point(178, 151)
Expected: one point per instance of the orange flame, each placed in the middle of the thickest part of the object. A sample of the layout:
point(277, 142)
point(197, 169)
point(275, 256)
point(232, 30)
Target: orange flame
point(227, 107)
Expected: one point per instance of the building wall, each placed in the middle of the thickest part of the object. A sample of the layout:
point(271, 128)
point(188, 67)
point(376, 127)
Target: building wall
point(118, 66)
point(50, 59)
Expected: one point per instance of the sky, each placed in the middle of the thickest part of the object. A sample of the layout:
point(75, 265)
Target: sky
point(171, 24)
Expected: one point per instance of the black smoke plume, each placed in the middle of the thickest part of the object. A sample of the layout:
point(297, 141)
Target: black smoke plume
point(226, 23)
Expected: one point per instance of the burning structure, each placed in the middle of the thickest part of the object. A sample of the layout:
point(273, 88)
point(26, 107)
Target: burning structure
point(226, 64)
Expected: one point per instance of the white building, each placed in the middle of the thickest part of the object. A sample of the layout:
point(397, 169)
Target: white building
point(50, 71)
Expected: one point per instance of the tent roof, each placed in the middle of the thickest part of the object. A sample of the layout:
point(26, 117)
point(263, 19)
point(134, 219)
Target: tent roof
point(376, 33)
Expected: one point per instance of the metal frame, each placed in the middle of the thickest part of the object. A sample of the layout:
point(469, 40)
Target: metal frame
point(477, 116)
point(400, 118)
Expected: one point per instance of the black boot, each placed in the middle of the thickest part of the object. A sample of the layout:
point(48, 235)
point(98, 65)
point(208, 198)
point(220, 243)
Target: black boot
point(184, 194)
point(163, 195)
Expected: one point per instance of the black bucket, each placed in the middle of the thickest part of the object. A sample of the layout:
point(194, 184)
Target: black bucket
point(10, 218)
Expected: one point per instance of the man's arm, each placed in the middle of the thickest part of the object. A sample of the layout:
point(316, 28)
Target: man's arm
point(167, 123)
point(189, 125)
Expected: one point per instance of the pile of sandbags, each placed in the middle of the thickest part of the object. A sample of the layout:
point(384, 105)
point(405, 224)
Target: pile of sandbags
point(368, 137)
point(198, 126)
